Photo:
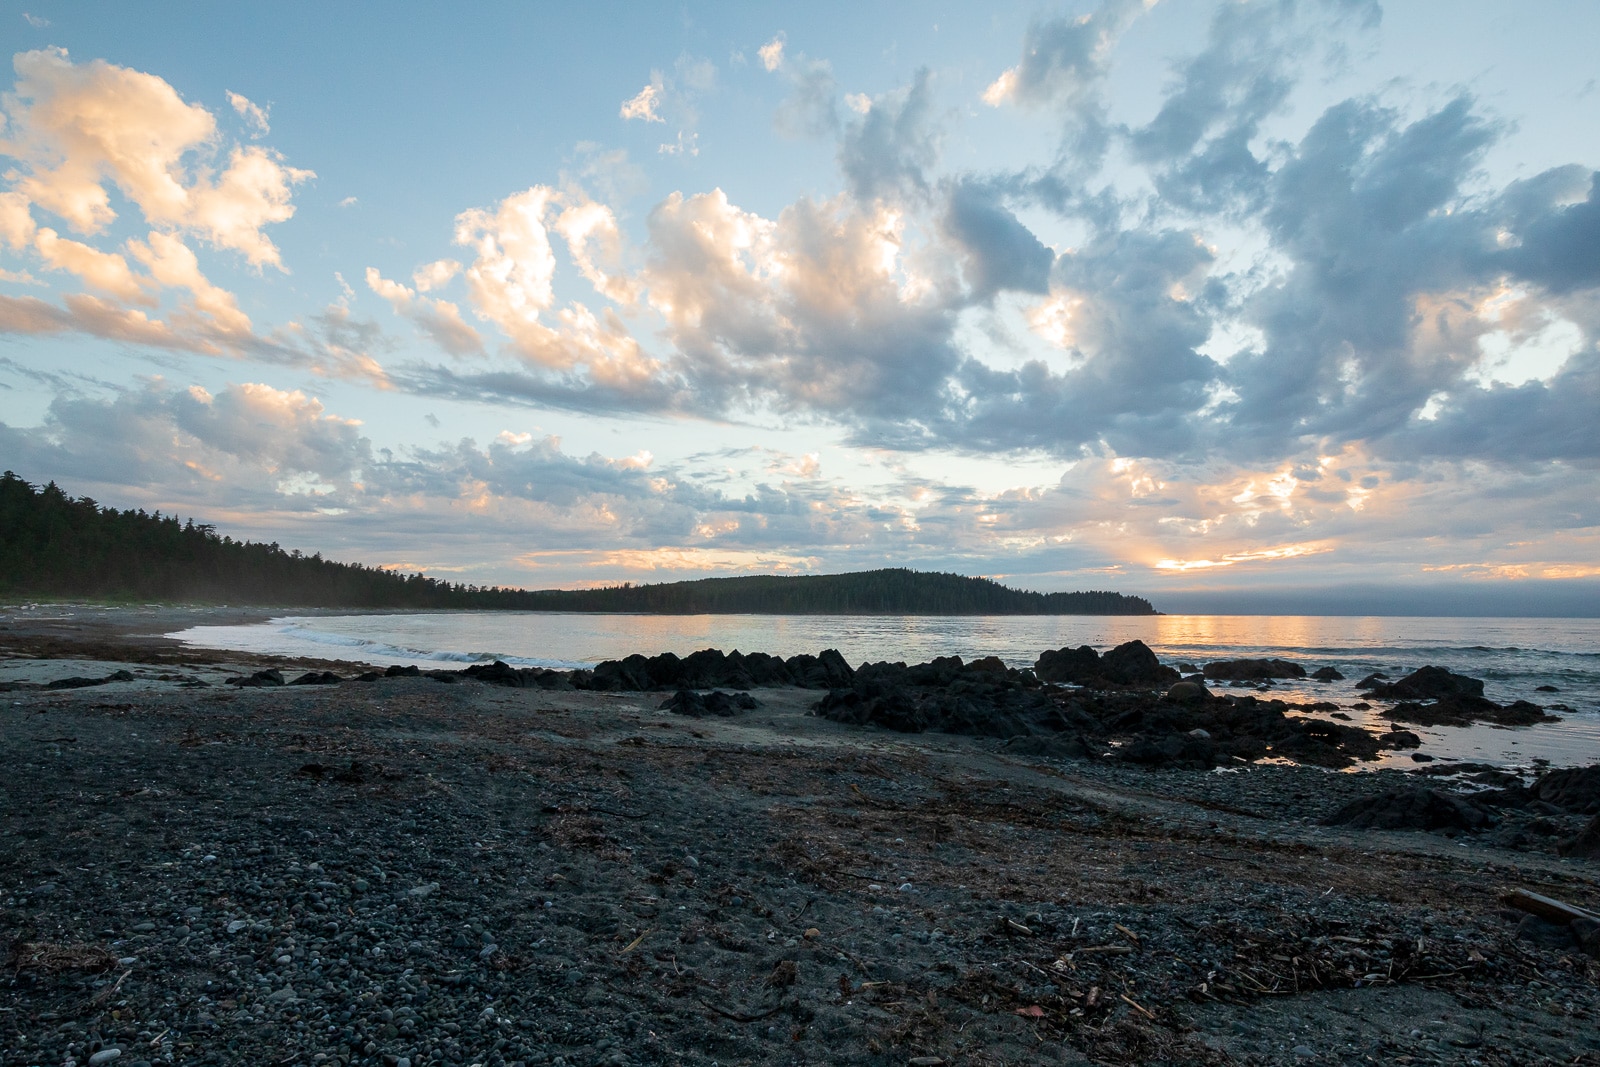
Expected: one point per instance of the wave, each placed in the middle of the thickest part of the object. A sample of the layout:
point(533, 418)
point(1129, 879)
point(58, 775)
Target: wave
point(388, 651)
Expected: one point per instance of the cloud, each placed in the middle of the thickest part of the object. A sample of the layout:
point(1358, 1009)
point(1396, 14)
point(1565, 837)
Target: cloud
point(254, 115)
point(889, 150)
point(771, 53)
point(250, 444)
point(1000, 253)
point(38, 22)
point(75, 128)
point(439, 319)
point(643, 105)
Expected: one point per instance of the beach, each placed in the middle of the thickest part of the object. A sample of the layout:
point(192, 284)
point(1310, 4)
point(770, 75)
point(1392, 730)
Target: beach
point(409, 869)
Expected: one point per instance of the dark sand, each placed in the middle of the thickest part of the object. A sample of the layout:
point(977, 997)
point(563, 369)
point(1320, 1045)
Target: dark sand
point(477, 875)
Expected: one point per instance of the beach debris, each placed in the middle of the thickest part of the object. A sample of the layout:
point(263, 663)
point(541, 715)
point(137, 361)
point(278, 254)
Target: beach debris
point(1547, 908)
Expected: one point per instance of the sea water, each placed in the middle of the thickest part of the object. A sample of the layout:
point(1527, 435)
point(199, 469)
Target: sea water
point(1514, 657)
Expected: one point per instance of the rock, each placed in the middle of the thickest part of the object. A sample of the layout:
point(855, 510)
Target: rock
point(1077, 666)
point(1586, 845)
point(1573, 789)
point(1327, 674)
point(270, 677)
point(1188, 693)
point(1413, 809)
point(1465, 709)
point(317, 678)
point(1549, 934)
point(1425, 683)
point(1586, 932)
point(1252, 670)
point(1132, 663)
point(105, 1055)
point(717, 703)
point(410, 670)
point(237, 925)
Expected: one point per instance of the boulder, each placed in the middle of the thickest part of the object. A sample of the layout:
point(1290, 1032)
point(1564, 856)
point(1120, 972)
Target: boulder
point(317, 678)
point(1572, 789)
point(1586, 845)
point(1327, 674)
point(1188, 693)
point(1413, 809)
point(261, 679)
point(1078, 666)
point(1253, 670)
point(1424, 683)
point(715, 703)
point(1132, 663)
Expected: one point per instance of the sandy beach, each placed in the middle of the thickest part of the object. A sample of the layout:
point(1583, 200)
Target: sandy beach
point(409, 871)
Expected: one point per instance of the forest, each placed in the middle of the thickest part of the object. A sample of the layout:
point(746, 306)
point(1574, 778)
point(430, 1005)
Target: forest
point(56, 546)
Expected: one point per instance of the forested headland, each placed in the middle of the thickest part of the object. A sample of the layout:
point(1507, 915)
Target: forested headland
point(56, 546)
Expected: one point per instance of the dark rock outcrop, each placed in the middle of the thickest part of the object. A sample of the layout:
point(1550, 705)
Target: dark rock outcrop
point(1413, 809)
point(1327, 674)
point(85, 683)
point(269, 678)
point(1424, 683)
point(711, 668)
point(1131, 664)
point(1464, 710)
point(716, 703)
point(317, 678)
point(1252, 670)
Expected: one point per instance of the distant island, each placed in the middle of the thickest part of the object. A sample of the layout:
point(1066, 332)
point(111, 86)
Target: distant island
point(56, 546)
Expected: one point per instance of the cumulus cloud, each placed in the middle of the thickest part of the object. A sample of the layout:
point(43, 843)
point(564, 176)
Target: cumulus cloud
point(75, 129)
point(890, 149)
point(77, 132)
point(643, 104)
point(771, 53)
point(439, 319)
point(254, 115)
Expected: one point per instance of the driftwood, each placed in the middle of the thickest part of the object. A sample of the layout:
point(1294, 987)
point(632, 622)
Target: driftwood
point(1547, 908)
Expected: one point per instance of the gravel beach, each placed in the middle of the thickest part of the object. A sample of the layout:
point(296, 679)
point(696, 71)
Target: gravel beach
point(403, 871)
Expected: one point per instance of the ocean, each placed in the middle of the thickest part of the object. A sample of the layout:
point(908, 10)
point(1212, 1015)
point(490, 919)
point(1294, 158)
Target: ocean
point(1515, 657)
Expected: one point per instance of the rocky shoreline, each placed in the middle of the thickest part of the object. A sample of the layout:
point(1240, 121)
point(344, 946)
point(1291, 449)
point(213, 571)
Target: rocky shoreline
point(789, 862)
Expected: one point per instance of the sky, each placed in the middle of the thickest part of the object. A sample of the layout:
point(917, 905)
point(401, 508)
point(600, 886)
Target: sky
point(1287, 305)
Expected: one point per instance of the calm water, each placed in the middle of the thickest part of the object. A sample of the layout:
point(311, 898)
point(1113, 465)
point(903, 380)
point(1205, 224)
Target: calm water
point(1513, 656)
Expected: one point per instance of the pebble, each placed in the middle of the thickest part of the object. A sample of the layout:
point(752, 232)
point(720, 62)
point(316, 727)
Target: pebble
point(906, 887)
point(237, 925)
point(105, 1055)
point(1305, 1052)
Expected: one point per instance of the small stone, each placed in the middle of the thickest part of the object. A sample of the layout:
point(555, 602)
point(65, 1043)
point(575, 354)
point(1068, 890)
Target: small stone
point(105, 1055)
point(907, 887)
point(812, 933)
point(488, 950)
point(144, 928)
point(423, 890)
point(1305, 1052)
point(237, 925)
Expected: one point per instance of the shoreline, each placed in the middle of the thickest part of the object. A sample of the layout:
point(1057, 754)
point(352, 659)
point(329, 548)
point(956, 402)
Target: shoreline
point(362, 871)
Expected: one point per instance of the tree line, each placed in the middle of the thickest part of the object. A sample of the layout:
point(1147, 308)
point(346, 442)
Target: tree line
point(53, 545)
